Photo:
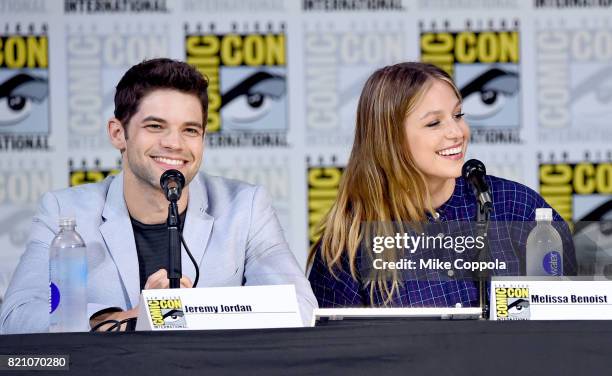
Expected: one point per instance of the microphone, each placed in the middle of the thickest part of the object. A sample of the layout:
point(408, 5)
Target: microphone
point(474, 172)
point(172, 183)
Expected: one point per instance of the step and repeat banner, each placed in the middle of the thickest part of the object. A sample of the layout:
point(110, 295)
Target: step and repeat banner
point(285, 77)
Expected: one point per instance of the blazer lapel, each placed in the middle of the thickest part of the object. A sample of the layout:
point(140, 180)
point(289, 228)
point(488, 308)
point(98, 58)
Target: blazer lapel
point(119, 237)
point(198, 227)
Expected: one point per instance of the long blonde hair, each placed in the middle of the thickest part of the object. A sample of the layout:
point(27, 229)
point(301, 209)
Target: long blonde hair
point(381, 182)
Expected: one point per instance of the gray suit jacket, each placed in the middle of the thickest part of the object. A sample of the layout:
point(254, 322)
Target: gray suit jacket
point(231, 230)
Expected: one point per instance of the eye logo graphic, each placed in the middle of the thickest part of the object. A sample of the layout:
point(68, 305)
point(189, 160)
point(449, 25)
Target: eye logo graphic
point(255, 102)
point(173, 317)
point(18, 95)
point(15, 222)
point(518, 309)
point(591, 99)
point(593, 235)
point(490, 98)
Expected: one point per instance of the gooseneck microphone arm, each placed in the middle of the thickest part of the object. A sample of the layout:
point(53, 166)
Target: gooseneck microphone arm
point(172, 183)
point(474, 173)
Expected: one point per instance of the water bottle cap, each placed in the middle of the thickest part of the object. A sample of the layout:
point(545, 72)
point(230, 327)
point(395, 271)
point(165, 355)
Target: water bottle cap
point(67, 222)
point(544, 214)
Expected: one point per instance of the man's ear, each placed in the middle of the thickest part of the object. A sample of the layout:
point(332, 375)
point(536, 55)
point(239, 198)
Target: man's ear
point(117, 134)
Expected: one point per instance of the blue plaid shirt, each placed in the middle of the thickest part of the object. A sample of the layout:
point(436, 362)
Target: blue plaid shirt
point(512, 202)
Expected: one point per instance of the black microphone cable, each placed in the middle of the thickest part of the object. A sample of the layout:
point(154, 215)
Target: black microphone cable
point(131, 324)
point(195, 264)
point(98, 326)
point(116, 327)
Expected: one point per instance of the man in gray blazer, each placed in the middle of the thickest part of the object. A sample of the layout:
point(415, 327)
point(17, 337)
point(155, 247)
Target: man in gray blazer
point(230, 227)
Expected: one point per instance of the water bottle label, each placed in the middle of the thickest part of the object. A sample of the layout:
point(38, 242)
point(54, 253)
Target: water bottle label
point(54, 297)
point(552, 263)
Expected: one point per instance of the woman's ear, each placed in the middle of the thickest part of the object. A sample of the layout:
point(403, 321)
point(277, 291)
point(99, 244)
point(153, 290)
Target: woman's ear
point(117, 134)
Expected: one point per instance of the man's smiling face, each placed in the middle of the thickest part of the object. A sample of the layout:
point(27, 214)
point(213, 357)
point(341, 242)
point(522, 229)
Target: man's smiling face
point(165, 133)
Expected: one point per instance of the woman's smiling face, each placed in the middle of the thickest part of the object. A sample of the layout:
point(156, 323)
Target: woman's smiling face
point(437, 134)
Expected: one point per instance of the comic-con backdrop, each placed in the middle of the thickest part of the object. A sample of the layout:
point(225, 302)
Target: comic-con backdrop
point(285, 76)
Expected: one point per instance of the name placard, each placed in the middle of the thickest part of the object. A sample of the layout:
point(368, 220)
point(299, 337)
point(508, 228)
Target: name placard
point(550, 298)
point(245, 307)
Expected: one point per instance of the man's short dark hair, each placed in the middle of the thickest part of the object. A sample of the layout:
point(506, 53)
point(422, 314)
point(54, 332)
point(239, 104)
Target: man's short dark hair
point(162, 73)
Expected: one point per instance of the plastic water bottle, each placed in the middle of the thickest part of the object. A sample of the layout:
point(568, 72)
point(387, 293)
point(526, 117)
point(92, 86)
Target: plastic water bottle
point(544, 247)
point(68, 280)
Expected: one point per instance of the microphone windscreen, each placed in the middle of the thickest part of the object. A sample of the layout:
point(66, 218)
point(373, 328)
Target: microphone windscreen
point(472, 166)
point(171, 175)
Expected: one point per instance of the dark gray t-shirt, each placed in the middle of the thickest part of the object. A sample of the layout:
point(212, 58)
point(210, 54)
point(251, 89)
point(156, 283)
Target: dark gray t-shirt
point(151, 247)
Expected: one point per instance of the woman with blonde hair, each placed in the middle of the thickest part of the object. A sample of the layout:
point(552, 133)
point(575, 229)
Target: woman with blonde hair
point(405, 166)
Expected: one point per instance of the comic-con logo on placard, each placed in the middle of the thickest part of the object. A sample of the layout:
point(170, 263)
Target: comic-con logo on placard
point(247, 73)
point(85, 173)
point(96, 59)
point(166, 313)
point(24, 88)
point(484, 61)
point(323, 182)
point(574, 80)
point(512, 303)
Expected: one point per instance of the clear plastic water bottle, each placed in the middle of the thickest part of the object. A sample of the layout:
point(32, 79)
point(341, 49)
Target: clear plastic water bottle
point(544, 247)
point(68, 280)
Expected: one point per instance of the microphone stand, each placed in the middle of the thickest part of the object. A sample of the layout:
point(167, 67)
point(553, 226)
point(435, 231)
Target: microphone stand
point(483, 215)
point(174, 246)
